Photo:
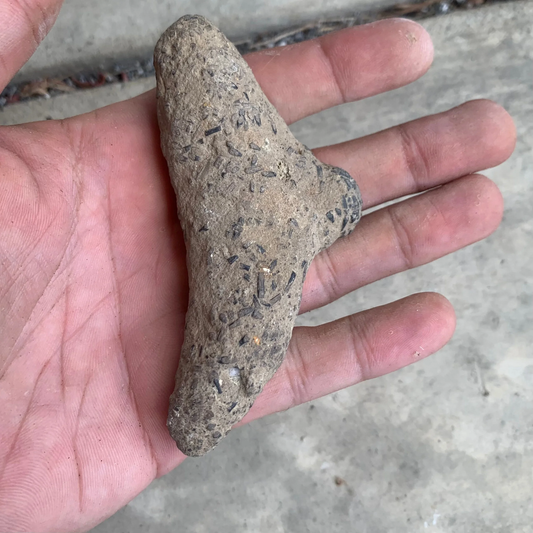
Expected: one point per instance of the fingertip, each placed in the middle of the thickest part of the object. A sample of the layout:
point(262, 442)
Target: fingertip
point(473, 202)
point(497, 130)
point(442, 319)
point(505, 129)
point(414, 46)
point(428, 320)
point(487, 203)
point(418, 40)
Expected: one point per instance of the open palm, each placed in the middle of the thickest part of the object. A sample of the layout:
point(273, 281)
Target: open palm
point(93, 282)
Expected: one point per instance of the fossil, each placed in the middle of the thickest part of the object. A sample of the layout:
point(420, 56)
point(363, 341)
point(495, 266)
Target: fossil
point(255, 207)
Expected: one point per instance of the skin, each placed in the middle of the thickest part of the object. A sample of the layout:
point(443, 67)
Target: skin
point(93, 280)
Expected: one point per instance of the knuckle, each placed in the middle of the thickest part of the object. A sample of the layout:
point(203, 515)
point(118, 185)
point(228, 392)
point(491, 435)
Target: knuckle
point(405, 245)
point(297, 375)
point(414, 156)
point(364, 355)
point(327, 275)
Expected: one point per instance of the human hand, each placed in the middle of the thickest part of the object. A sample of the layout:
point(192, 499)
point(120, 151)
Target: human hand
point(94, 283)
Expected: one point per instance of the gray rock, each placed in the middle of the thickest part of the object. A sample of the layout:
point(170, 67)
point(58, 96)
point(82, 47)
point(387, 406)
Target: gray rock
point(255, 206)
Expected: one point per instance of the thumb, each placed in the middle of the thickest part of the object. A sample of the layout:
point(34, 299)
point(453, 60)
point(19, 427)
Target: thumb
point(23, 25)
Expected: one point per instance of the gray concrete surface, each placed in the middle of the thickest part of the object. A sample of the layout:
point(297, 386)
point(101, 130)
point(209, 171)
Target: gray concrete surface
point(102, 32)
point(421, 450)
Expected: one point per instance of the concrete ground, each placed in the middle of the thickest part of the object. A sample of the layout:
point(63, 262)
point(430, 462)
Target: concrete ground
point(101, 31)
point(445, 445)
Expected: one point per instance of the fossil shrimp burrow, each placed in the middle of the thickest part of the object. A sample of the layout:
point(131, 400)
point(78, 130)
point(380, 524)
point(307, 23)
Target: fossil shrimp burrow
point(255, 207)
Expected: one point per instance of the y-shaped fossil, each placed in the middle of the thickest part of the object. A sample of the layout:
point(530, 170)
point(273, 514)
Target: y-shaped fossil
point(255, 206)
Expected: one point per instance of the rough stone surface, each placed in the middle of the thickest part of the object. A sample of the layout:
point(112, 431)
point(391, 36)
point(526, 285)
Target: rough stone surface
point(255, 206)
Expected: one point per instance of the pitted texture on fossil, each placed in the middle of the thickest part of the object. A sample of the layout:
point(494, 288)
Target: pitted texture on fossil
point(255, 206)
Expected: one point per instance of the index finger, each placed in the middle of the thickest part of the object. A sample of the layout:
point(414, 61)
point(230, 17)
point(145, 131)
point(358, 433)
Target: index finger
point(308, 77)
point(344, 66)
